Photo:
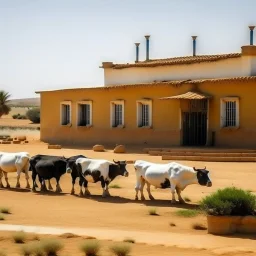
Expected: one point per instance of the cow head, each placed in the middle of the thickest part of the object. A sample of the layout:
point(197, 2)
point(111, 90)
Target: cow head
point(122, 167)
point(203, 177)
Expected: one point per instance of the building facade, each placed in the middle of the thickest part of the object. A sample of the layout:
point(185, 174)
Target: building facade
point(198, 100)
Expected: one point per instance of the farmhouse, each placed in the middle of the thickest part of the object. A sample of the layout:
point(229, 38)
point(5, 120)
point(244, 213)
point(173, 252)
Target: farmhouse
point(197, 100)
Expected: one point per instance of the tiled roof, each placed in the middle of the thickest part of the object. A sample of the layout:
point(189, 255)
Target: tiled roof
point(188, 96)
point(178, 60)
point(159, 83)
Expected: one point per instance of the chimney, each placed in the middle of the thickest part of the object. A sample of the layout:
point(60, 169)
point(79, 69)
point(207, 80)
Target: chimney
point(137, 52)
point(147, 46)
point(251, 34)
point(194, 45)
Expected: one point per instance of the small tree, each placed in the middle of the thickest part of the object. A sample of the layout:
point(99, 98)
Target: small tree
point(34, 115)
point(4, 107)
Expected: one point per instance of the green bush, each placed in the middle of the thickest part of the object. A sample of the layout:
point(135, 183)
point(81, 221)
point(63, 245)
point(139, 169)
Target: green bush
point(90, 248)
point(188, 213)
point(34, 115)
point(229, 201)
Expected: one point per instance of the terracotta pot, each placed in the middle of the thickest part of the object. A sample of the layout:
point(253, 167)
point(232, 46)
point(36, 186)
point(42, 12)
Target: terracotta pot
point(227, 225)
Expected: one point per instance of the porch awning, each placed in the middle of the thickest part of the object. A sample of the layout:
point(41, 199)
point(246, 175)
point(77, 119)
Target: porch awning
point(188, 96)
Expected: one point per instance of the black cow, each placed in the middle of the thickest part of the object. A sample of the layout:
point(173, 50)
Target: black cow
point(33, 162)
point(74, 174)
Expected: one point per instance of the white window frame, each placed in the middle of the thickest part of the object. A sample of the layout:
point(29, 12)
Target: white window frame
point(70, 113)
point(112, 113)
point(84, 102)
point(144, 102)
point(223, 112)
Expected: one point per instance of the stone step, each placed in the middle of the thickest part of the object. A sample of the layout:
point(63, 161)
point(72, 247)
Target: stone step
point(201, 149)
point(209, 158)
point(203, 153)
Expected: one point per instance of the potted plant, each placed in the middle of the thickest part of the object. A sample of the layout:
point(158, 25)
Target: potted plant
point(230, 210)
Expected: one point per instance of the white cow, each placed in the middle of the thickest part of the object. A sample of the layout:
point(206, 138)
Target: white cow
point(94, 170)
point(170, 175)
point(14, 162)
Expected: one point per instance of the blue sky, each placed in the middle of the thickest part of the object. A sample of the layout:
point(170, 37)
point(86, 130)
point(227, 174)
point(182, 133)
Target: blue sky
point(50, 44)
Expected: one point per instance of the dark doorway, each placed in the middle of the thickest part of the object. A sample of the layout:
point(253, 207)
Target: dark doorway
point(194, 123)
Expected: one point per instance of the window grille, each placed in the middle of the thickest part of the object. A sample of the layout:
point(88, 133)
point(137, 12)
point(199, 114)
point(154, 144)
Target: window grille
point(144, 115)
point(230, 114)
point(85, 114)
point(65, 114)
point(118, 115)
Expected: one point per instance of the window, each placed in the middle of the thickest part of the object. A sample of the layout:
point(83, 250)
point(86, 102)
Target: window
point(84, 111)
point(117, 113)
point(65, 113)
point(230, 112)
point(144, 113)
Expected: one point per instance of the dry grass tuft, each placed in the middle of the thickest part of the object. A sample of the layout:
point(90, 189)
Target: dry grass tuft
point(187, 213)
point(5, 210)
point(90, 248)
point(153, 212)
point(172, 224)
point(120, 249)
point(69, 235)
point(19, 237)
point(2, 217)
point(114, 186)
point(51, 246)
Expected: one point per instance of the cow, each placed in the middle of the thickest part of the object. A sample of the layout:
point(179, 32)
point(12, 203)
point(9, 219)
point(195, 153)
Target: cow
point(72, 168)
point(14, 162)
point(169, 175)
point(94, 170)
point(47, 167)
point(33, 161)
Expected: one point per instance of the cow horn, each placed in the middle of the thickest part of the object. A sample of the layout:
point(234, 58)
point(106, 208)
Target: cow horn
point(194, 169)
point(115, 161)
point(205, 167)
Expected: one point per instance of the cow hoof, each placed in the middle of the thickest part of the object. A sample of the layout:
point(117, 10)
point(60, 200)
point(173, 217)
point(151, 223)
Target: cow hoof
point(72, 192)
point(136, 198)
point(181, 202)
point(81, 194)
point(28, 186)
point(17, 185)
point(8, 186)
point(1, 186)
point(142, 198)
point(173, 201)
point(151, 197)
point(50, 188)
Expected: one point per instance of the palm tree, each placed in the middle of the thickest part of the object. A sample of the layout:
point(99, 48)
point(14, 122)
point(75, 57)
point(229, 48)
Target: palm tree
point(4, 107)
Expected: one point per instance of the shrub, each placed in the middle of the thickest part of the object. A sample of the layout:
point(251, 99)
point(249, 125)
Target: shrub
point(5, 210)
point(229, 201)
point(37, 248)
point(90, 248)
point(26, 250)
point(51, 246)
point(153, 211)
point(187, 213)
point(19, 237)
point(34, 115)
point(2, 217)
point(120, 249)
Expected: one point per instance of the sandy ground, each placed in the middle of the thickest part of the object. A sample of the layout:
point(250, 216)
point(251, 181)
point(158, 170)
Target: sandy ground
point(121, 213)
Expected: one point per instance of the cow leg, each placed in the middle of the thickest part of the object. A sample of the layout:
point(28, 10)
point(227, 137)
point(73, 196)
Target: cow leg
point(86, 190)
point(34, 181)
point(137, 187)
point(1, 176)
point(58, 188)
point(106, 188)
point(6, 179)
point(181, 201)
point(103, 185)
point(73, 185)
point(81, 181)
point(149, 192)
point(173, 186)
point(49, 185)
point(43, 186)
point(18, 179)
point(26, 170)
point(142, 184)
